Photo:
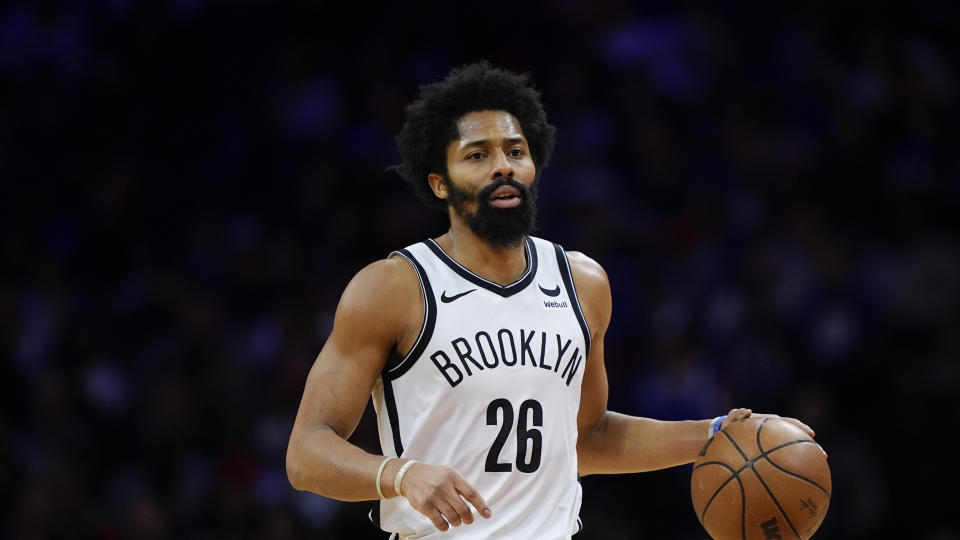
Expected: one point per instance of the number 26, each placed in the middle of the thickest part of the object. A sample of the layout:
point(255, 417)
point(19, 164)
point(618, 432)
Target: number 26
point(527, 438)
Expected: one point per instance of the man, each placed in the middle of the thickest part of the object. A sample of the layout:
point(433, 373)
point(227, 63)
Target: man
point(482, 348)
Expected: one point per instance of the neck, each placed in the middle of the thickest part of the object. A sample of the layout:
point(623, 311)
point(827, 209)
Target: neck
point(499, 265)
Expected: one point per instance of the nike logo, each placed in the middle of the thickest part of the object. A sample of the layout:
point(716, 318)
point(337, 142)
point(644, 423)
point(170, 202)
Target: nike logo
point(549, 292)
point(447, 299)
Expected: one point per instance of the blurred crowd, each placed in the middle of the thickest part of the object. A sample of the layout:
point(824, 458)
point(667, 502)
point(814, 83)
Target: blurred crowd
point(189, 185)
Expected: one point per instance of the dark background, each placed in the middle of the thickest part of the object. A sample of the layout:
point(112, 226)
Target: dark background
point(189, 185)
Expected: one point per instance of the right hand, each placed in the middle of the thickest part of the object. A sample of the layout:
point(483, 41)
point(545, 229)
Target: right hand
point(438, 492)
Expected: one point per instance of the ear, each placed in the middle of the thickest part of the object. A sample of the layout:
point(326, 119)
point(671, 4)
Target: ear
point(438, 186)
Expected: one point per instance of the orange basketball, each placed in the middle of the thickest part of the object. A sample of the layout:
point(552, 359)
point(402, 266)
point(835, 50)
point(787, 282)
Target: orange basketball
point(761, 478)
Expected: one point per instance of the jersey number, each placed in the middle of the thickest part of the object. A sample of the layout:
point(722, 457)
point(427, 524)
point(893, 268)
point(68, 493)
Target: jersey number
point(528, 438)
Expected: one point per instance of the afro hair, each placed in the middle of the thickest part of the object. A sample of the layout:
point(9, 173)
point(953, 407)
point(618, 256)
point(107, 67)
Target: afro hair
point(431, 121)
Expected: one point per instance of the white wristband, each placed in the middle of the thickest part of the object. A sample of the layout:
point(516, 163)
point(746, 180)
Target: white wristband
point(380, 474)
point(401, 473)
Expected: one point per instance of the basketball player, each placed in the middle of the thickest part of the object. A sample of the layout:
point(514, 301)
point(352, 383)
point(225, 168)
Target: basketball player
point(482, 348)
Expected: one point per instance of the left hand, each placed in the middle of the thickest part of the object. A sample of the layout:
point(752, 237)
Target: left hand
point(740, 414)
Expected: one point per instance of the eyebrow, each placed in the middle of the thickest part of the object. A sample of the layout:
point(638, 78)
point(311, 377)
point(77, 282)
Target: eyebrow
point(486, 142)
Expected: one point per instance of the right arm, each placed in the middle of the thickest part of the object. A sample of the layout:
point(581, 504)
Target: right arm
point(381, 309)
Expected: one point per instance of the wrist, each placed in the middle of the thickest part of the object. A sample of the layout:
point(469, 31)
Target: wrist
point(387, 477)
point(398, 479)
point(715, 426)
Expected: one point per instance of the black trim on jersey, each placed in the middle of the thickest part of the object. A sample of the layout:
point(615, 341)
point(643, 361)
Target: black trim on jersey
point(567, 276)
point(391, 402)
point(393, 362)
point(397, 366)
point(503, 290)
point(374, 515)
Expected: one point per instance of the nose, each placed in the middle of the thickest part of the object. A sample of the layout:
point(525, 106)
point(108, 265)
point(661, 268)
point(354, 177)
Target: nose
point(501, 165)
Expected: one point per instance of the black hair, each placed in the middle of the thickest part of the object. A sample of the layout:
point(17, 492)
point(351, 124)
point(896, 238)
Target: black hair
point(431, 122)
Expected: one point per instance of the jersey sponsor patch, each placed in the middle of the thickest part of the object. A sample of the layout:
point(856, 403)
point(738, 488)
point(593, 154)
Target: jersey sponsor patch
point(552, 302)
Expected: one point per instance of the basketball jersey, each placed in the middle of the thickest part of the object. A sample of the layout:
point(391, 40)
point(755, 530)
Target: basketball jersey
point(491, 388)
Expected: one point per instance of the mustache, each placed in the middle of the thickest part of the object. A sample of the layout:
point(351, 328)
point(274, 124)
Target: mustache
point(484, 194)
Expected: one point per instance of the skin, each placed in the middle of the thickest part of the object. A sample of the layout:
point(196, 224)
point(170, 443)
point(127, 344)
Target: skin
point(382, 309)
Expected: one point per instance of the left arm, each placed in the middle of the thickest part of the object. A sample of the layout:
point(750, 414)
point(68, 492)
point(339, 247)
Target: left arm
point(611, 442)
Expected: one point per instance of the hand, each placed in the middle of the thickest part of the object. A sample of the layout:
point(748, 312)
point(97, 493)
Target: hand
point(740, 414)
point(439, 492)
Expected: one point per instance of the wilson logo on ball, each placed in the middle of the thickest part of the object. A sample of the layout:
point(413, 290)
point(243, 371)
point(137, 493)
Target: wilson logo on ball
point(770, 529)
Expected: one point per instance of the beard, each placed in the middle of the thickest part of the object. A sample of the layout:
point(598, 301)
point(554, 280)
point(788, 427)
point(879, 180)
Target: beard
point(499, 227)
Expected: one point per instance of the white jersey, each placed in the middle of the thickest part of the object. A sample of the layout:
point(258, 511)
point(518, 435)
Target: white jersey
point(491, 388)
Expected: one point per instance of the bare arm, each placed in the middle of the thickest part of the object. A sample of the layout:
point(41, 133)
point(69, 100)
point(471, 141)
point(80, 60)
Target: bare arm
point(319, 458)
point(381, 309)
point(611, 442)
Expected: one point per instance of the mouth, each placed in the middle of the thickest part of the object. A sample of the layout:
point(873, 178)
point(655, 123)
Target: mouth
point(505, 197)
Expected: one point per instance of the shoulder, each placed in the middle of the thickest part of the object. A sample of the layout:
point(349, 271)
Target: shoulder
point(383, 281)
point(593, 290)
point(382, 293)
point(587, 273)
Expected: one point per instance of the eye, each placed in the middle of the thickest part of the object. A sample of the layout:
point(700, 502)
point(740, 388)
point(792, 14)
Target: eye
point(516, 152)
point(475, 155)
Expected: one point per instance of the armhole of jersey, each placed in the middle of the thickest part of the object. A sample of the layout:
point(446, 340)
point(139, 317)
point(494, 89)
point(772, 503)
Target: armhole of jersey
point(374, 516)
point(397, 365)
point(567, 276)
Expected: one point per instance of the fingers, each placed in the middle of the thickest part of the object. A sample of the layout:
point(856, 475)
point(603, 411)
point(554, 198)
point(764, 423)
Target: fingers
point(735, 415)
point(741, 414)
point(473, 497)
point(449, 514)
point(807, 429)
point(450, 511)
point(437, 518)
point(439, 492)
point(454, 509)
point(464, 515)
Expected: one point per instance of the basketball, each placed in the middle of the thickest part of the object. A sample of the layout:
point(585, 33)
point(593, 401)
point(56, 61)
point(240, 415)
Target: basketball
point(761, 478)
